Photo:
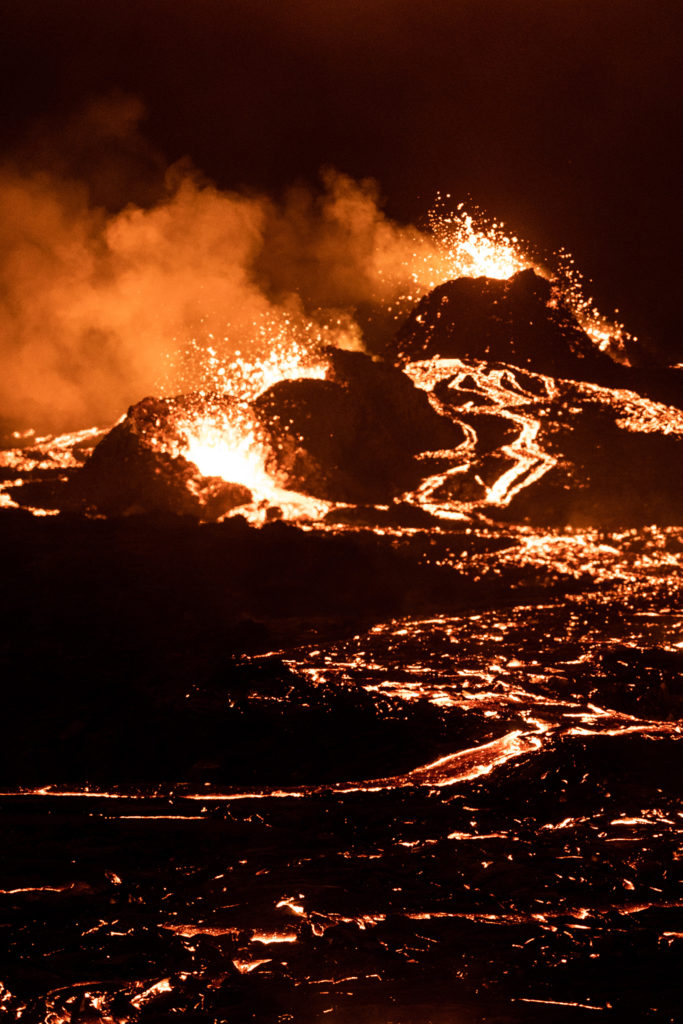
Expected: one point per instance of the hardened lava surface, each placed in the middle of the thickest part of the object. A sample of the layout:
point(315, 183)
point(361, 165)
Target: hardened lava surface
point(411, 762)
point(472, 814)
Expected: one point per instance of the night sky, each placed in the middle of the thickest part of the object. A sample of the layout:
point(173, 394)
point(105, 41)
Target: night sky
point(560, 118)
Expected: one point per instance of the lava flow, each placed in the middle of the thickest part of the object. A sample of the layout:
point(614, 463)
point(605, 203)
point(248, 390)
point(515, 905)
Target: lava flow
point(346, 685)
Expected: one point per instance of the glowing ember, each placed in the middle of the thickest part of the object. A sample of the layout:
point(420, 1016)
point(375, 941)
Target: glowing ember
point(471, 247)
point(247, 966)
point(149, 993)
point(267, 938)
point(282, 348)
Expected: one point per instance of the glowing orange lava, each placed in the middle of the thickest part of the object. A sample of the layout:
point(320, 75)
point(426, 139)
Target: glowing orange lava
point(226, 441)
point(470, 245)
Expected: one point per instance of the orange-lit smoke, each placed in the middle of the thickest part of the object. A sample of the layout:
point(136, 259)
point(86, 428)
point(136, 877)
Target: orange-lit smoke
point(96, 306)
point(120, 277)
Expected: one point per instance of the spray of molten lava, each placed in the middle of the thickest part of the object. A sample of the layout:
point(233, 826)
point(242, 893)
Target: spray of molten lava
point(226, 441)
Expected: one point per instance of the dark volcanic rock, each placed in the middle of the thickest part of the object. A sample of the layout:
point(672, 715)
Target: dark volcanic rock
point(661, 384)
point(519, 321)
point(405, 409)
point(584, 455)
point(120, 637)
point(352, 437)
point(606, 475)
point(131, 472)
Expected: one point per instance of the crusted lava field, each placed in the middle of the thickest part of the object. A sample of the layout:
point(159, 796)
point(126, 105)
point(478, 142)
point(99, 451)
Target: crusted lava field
point(397, 739)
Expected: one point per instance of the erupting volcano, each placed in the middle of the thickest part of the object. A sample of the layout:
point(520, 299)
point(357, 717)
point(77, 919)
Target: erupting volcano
point(346, 680)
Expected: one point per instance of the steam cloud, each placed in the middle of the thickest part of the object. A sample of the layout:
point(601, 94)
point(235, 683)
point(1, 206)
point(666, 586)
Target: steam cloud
point(98, 291)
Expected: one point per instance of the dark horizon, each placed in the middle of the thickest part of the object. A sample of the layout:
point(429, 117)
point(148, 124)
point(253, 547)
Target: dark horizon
point(560, 121)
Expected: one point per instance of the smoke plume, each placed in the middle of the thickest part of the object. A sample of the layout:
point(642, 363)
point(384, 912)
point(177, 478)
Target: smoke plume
point(111, 265)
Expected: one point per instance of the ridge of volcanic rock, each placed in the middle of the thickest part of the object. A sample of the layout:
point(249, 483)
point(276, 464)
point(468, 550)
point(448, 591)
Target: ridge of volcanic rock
point(132, 469)
point(354, 436)
point(519, 321)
